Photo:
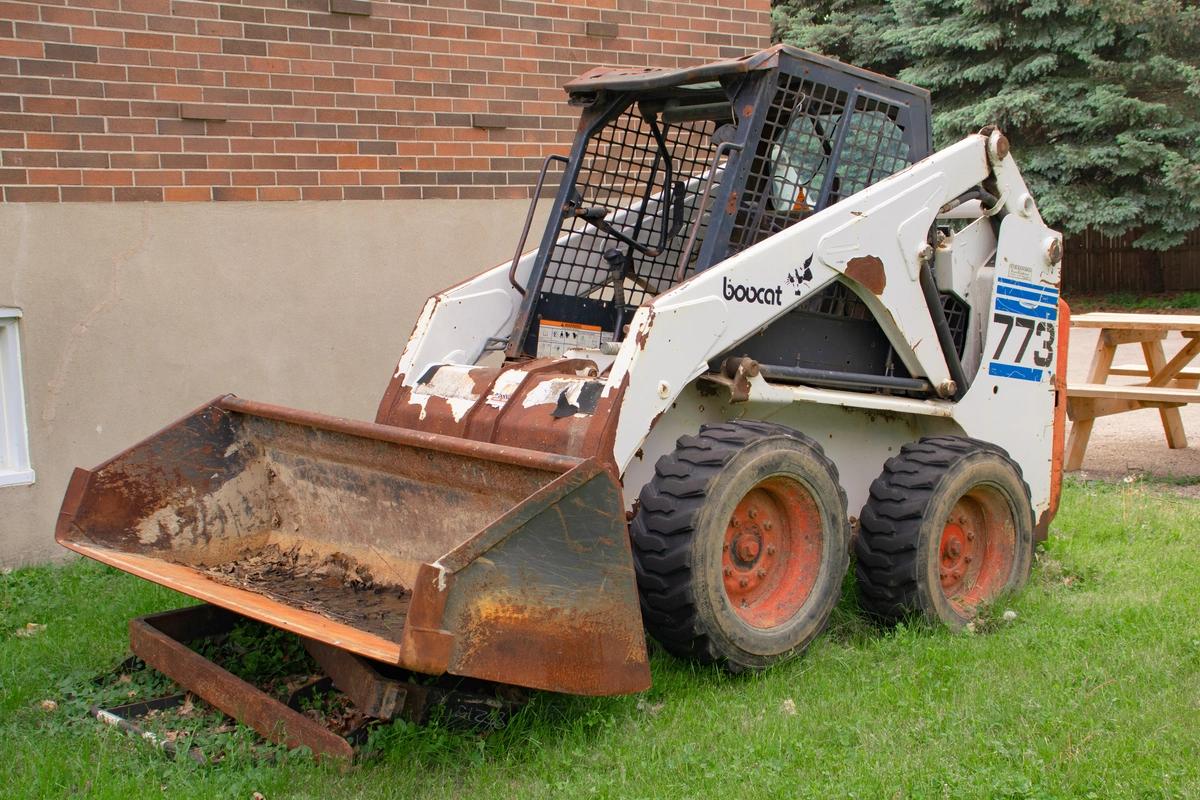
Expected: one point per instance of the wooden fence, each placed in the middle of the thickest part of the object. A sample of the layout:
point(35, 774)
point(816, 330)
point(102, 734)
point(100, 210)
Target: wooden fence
point(1093, 262)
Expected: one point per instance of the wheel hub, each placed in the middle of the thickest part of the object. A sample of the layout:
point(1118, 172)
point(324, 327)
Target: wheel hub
point(772, 552)
point(975, 552)
point(748, 547)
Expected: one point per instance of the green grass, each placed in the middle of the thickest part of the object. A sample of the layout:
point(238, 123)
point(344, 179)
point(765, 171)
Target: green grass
point(1092, 691)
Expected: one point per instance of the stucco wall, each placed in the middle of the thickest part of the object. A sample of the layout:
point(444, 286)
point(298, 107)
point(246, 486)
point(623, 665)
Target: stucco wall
point(135, 314)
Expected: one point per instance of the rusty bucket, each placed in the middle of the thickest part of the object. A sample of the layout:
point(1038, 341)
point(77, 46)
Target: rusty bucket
point(433, 553)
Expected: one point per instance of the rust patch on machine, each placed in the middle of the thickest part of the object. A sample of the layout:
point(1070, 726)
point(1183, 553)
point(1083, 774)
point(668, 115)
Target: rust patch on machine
point(868, 271)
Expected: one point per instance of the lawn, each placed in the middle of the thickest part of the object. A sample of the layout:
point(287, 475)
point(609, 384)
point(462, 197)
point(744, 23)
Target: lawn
point(1093, 690)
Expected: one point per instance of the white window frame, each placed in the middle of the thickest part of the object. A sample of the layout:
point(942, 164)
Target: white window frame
point(15, 469)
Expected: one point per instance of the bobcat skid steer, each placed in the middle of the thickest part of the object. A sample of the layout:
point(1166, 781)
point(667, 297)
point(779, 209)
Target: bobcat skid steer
point(765, 324)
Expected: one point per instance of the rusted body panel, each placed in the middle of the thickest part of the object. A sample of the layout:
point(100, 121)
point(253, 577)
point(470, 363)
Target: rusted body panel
point(362, 535)
point(548, 405)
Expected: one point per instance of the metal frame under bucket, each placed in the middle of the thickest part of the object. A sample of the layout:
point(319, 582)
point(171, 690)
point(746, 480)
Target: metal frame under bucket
point(495, 562)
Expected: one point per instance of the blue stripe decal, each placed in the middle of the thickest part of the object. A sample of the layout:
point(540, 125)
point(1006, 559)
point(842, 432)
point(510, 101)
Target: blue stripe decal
point(1015, 307)
point(1025, 294)
point(1026, 285)
point(1013, 371)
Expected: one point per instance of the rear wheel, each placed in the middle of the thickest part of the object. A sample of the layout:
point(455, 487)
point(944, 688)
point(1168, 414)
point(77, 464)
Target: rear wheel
point(948, 527)
point(740, 544)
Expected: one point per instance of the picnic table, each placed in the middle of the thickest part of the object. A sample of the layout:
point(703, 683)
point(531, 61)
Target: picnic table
point(1170, 384)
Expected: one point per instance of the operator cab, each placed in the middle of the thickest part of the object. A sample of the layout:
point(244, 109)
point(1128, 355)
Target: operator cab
point(676, 170)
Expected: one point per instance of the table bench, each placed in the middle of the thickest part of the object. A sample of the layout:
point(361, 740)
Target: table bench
point(1170, 383)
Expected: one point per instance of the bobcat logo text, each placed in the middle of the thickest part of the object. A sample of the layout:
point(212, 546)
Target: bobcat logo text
point(752, 294)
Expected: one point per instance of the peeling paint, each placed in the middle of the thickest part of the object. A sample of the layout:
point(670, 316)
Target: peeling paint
point(506, 384)
point(548, 392)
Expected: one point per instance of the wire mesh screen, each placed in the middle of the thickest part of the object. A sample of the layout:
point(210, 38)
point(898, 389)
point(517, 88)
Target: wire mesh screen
point(623, 172)
point(837, 300)
point(791, 163)
point(873, 149)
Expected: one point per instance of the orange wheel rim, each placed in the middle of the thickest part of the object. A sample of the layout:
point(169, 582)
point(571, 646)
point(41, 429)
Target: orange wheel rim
point(977, 548)
point(772, 552)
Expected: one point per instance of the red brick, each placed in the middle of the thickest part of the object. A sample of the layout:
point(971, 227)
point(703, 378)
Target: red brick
point(187, 194)
point(27, 158)
point(31, 194)
point(87, 194)
point(158, 178)
point(152, 194)
point(312, 192)
point(279, 193)
point(84, 160)
point(234, 193)
point(52, 141)
point(108, 177)
point(60, 177)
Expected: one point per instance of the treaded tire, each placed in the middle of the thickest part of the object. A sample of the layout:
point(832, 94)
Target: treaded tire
point(682, 544)
point(948, 526)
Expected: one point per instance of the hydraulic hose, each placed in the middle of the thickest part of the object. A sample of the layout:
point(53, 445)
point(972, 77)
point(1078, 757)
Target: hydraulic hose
point(946, 339)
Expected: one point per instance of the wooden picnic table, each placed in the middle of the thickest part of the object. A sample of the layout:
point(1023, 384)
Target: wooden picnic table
point(1170, 383)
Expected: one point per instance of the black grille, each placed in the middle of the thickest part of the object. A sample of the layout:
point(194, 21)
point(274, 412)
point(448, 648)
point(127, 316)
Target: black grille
point(623, 171)
point(958, 314)
point(802, 134)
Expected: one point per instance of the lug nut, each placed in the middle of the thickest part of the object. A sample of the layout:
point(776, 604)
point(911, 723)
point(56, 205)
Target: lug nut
point(753, 513)
point(770, 549)
point(970, 536)
point(728, 572)
point(762, 573)
point(968, 559)
point(744, 582)
point(735, 522)
point(766, 525)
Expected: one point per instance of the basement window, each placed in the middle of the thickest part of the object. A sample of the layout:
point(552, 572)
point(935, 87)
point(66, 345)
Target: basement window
point(15, 469)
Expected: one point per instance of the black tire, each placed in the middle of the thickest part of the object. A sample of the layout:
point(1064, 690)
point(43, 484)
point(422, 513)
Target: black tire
point(685, 557)
point(948, 526)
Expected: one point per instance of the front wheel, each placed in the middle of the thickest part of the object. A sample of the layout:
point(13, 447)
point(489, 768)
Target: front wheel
point(948, 527)
point(740, 544)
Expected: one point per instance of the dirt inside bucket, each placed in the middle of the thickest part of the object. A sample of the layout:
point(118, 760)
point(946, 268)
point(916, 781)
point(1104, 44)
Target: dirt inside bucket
point(334, 585)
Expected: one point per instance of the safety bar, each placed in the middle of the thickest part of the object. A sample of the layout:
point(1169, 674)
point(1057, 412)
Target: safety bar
point(537, 193)
point(722, 149)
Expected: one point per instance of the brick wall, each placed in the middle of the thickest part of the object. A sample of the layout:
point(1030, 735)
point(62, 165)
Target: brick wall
point(192, 100)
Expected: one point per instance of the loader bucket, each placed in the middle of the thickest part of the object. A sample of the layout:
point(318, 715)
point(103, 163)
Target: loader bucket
point(433, 553)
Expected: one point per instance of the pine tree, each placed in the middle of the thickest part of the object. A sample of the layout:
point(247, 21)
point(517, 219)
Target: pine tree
point(1100, 98)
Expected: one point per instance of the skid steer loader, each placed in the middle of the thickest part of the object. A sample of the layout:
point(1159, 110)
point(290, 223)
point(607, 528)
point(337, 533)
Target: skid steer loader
point(766, 325)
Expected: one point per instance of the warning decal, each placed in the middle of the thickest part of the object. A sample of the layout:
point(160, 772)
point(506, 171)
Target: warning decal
point(556, 338)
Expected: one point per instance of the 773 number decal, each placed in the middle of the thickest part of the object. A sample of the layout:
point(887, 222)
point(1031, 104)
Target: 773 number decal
point(1023, 329)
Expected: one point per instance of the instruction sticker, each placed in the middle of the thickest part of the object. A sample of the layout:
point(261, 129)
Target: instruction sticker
point(556, 338)
point(1023, 327)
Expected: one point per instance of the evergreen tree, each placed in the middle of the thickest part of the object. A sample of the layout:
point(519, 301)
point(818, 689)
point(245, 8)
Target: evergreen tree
point(1100, 98)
